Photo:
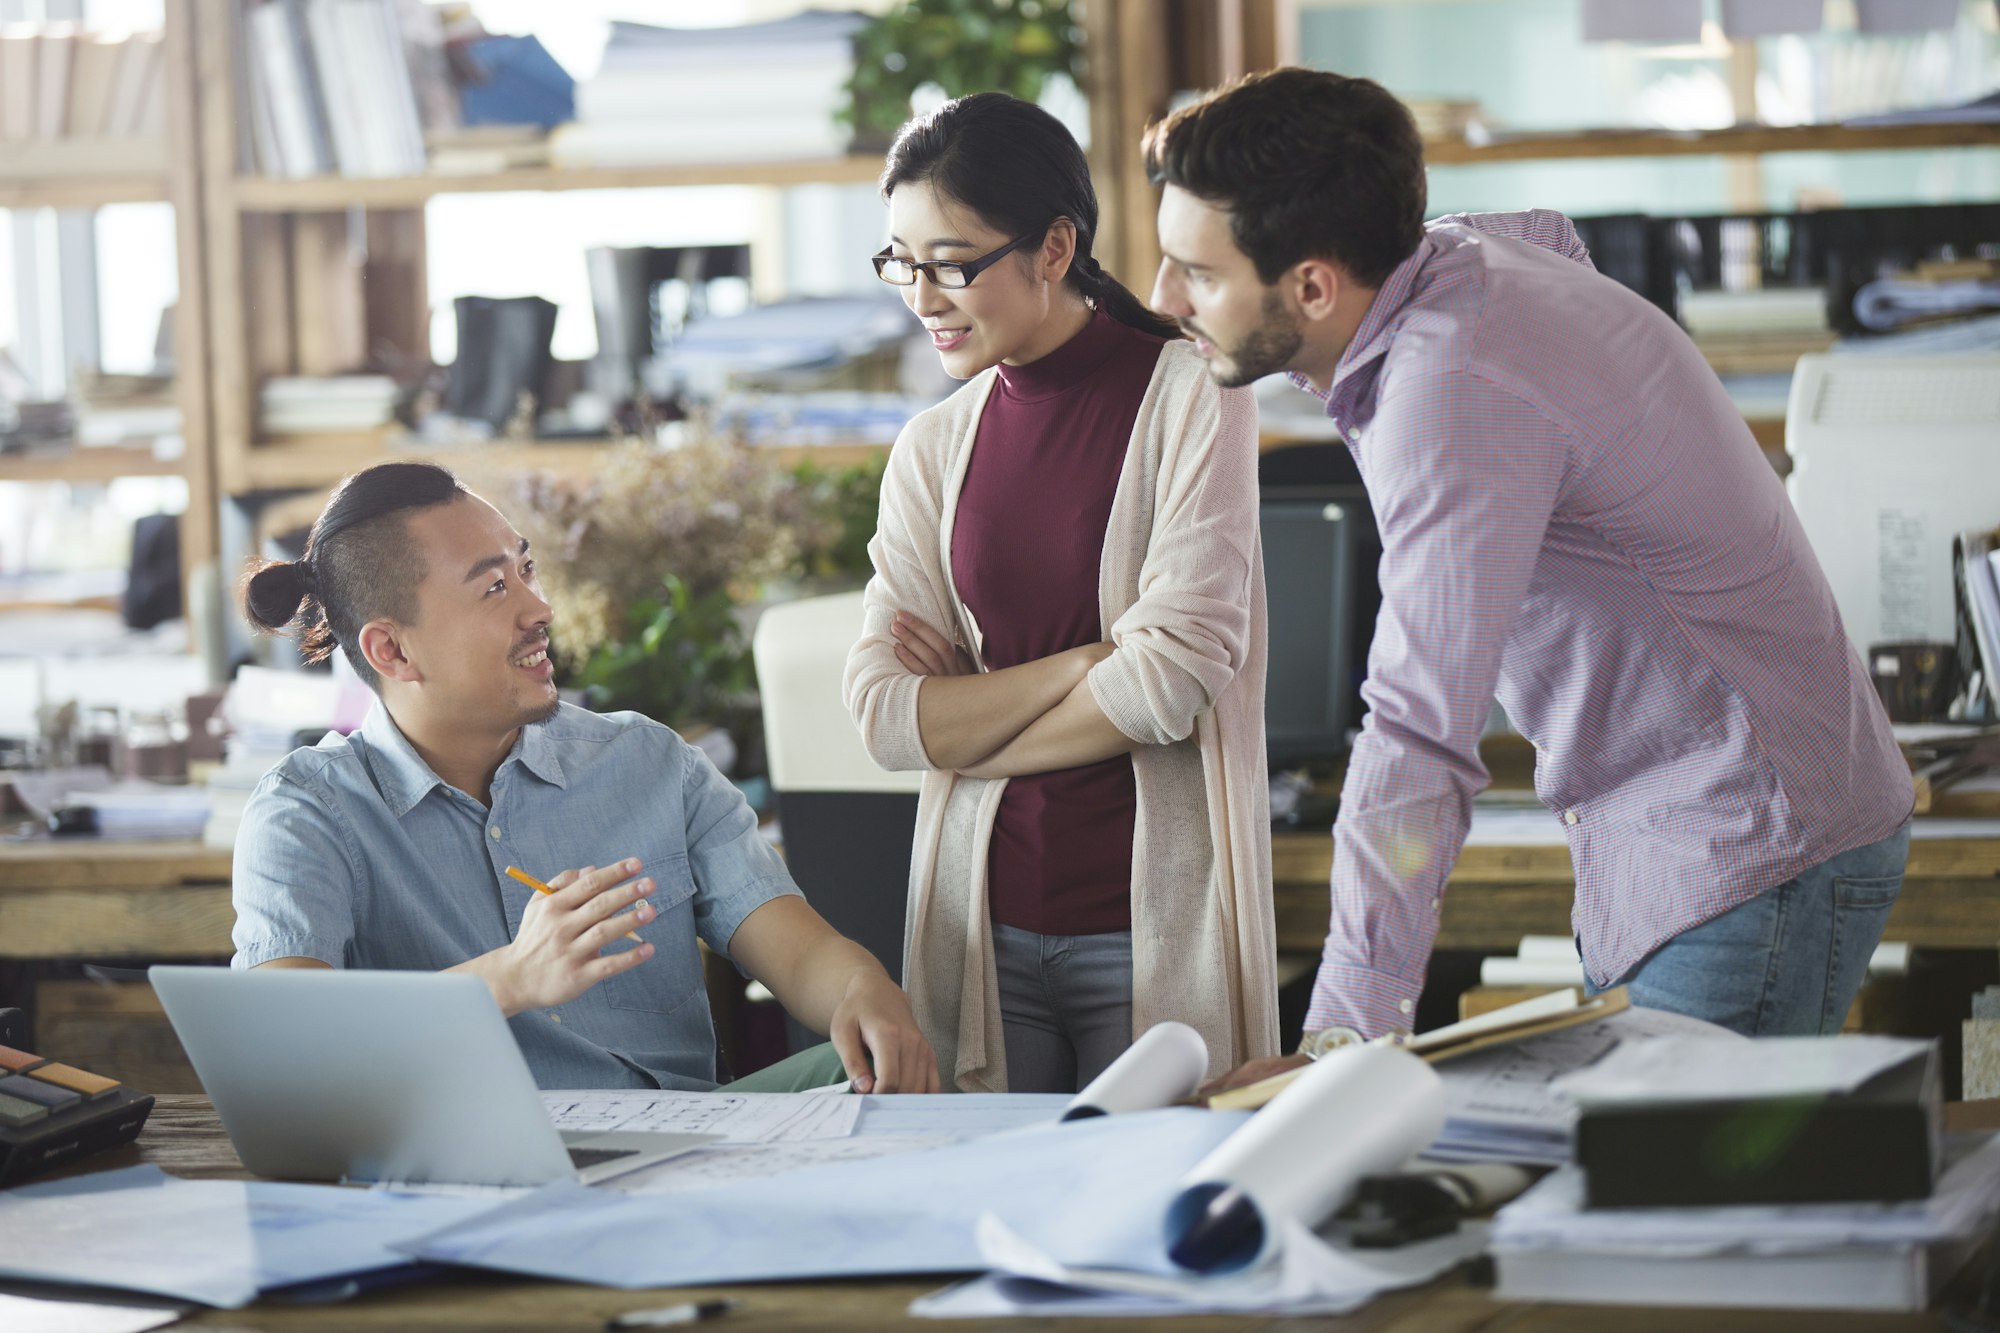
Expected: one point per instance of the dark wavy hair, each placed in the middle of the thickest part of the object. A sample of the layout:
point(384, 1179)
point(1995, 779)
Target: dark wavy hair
point(359, 564)
point(1019, 169)
point(1307, 164)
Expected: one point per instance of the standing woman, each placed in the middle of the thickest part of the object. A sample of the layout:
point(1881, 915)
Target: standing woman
point(1066, 630)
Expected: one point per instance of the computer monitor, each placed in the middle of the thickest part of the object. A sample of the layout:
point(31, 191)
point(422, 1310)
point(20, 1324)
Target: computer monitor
point(1321, 552)
point(1893, 456)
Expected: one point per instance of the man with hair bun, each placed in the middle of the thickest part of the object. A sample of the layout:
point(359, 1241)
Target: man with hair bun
point(389, 848)
point(1575, 520)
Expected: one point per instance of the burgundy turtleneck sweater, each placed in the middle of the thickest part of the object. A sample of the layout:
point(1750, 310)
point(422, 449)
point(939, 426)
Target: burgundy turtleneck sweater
point(1025, 554)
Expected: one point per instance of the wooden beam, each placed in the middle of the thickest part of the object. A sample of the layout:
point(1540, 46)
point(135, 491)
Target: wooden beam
point(230, 389)
point(200, 536)
point(1126, 76)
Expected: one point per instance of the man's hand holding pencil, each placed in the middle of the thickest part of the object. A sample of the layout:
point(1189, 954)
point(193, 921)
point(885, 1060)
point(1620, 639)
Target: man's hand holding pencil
point(556, 956)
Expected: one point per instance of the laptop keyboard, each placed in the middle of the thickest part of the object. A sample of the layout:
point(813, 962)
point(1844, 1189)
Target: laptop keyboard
point(584, 1157)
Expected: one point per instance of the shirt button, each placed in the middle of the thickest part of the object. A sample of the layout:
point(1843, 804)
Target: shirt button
point(1570, 817)
point(1405, 1006)
point(494, 832)
point(555, 1018)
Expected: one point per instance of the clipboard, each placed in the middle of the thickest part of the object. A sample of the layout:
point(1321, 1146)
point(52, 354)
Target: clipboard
point(1559, 1009)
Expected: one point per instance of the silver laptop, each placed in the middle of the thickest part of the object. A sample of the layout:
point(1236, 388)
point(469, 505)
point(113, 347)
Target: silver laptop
point(322, 1074)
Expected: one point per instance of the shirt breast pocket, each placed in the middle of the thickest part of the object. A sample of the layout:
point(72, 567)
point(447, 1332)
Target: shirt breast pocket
point(673, 975)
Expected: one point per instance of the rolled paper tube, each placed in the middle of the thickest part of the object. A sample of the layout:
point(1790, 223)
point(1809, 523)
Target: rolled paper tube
point(1163, 1067)
point(1355, 1112)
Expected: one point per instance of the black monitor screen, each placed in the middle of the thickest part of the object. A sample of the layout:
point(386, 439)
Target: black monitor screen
point(1321, 551)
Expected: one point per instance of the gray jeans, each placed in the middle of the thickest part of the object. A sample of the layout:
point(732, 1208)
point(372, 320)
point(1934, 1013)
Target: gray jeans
point(1065, 1005)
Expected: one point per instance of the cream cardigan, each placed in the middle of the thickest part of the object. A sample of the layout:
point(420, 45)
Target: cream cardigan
point(1181, 590)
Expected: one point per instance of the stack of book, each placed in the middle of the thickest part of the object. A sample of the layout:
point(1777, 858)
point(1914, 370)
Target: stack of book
point(77, 102)
point(1759, 331)
point(761, 93)
point(1799, 1172)
point(344, 87)
point(332, 404)
point(125, 410)
point(1445, 119)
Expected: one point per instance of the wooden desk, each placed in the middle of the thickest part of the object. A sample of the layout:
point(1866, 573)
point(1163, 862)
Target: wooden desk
point(1950, 898)
point(184, 1137)
point(160, 900)
point(92, 898)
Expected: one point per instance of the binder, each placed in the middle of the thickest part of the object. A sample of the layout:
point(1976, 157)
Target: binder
point(1883, 1141)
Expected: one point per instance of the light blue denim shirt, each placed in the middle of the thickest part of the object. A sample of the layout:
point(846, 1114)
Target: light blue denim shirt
point(355, 853)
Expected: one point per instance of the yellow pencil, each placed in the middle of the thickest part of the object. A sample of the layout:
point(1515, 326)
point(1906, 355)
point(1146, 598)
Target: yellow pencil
point(540, 887)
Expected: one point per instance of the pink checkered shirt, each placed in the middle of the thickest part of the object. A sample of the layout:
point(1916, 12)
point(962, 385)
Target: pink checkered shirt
point(1576, 520)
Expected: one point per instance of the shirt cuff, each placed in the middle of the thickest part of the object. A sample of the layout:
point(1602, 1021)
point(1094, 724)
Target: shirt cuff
point(286, 946)
point(1365, 999)
point(727, 911)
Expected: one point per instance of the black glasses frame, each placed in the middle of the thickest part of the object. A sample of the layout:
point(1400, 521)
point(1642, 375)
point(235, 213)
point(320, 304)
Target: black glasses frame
point(966, 271)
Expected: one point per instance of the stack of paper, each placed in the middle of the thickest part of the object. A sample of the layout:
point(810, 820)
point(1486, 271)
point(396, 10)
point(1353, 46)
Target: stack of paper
point(1503, 1105)
point(294, 405)
point(138, 809)
point(764, 92)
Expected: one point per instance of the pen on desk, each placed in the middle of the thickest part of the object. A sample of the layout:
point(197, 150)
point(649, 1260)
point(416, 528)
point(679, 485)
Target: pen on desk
point(687, 1313)
point(540, 887)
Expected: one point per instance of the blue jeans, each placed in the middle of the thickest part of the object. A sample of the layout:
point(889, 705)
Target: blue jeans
point(1789, 961)
point(1065, 1005)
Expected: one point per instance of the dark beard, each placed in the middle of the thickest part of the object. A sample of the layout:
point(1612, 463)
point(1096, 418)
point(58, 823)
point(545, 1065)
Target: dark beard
point(543, 714)
point(1265, 350)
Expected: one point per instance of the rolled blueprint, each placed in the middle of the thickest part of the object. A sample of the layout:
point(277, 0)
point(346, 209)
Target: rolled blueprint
point(1163, 1067)
point(1355, 1112)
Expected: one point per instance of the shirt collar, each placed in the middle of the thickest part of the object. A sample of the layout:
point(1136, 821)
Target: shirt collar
point(401, 774)
point(1372, 339)
point(404, 779)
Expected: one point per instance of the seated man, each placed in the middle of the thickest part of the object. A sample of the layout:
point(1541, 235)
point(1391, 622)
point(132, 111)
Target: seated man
point(389, 848)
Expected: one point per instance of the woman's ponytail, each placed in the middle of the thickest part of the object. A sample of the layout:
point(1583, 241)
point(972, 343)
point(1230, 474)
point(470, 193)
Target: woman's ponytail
point(1118, 301)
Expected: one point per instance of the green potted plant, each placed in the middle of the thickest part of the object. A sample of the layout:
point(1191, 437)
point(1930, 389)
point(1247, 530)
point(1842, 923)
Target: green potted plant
point(963, 46)
point(650, 561)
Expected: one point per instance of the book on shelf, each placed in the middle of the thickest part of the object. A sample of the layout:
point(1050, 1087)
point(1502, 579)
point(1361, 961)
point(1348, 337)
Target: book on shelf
point(61, 84)
point(343, 86)
point(18, 56)
point(93, 71)
point(56, 56)
point(762, 92)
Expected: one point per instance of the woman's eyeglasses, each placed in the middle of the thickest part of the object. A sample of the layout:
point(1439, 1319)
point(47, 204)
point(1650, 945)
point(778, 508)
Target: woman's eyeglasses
point(901, 272)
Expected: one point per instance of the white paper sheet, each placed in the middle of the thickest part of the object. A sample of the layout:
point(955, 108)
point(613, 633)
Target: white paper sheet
point(215, 1241)
point(706, 1167)
point(1356, 1111)
point(1163, 1067)
point(1710, 1068)
point(22, 1314)
point(1501, 1104)
point(754, 1117)
point(958, 1116)
point(1090, 1192)
point(1312, 1276)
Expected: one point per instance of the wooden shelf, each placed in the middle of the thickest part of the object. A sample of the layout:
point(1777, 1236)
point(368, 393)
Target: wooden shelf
point(1737, 139)
point(82, 191)
point(320, 460)
point(82, 173)
point(106, 463)
point(253, 194)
